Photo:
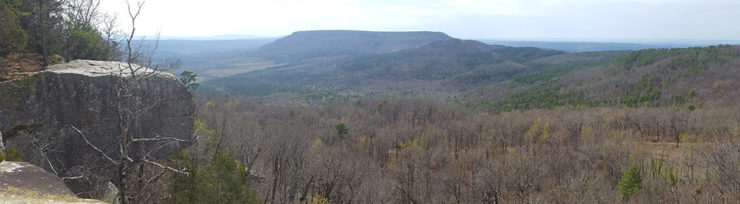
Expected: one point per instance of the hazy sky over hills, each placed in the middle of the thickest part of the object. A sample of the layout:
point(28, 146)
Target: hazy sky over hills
point(501, 19)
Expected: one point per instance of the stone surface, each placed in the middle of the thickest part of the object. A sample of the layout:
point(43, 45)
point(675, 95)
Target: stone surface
point(21, 182)
point(37, 112)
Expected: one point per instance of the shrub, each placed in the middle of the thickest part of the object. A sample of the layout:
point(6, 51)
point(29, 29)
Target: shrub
point(630, 182)
point(11, 154)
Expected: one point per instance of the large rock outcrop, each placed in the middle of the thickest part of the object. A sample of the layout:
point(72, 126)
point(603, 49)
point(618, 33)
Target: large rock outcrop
point(37, 114)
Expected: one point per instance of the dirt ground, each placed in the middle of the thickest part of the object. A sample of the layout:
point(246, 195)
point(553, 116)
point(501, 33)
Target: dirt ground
point(19, 65)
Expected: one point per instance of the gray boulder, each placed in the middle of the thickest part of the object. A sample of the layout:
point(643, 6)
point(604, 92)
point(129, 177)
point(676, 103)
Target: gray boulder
point(37, 114)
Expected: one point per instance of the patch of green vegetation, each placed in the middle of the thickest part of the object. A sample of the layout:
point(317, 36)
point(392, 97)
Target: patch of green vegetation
point(644, 91)
point(682, 63)
point(681, 57)
point(553, 71)
point(630, 182)
point(638, 98)
point(640, 58)
point(523, 54)
point(693, 70)
point(545, 96)
point(223, 181)
point(13, 35)
point(11, 154)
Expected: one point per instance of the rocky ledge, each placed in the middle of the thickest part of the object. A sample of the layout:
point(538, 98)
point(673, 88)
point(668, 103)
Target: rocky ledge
point(38, 113)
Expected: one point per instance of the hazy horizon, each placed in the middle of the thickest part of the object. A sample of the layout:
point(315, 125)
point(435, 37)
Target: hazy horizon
point(633, 40)
point(547, 20)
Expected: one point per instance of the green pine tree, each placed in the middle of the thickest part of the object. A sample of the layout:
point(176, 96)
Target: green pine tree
point(13, 36)
point(342, 130)
point(190, 188)
point(189, 79)
point(630, 182)
point(223, 182)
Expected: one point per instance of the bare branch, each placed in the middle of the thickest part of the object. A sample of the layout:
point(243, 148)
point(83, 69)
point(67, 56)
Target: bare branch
point(93, 146)
point(167, 167)
point(159, 146)
point(158, 138)
point(153, 179)
point(2, 146)
point(73, 177)
point(133, 16)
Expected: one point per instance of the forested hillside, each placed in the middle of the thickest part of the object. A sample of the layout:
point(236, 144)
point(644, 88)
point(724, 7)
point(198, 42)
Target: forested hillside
point(500, 78)
point(687, 78)
point(422, 151)
point(441, 69)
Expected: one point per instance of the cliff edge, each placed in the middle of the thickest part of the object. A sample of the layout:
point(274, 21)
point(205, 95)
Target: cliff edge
point(38, 113)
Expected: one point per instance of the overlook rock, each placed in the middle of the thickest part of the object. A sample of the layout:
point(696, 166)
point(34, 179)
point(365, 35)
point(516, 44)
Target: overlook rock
point(37, 114)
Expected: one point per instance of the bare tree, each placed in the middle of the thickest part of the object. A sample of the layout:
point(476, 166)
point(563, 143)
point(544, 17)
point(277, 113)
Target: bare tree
point(83, 12)
point(2, 144)
point(135, 153)
point(489, 183)
point(724, 165)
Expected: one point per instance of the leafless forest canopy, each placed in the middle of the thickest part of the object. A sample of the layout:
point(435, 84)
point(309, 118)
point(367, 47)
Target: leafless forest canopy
point(422, 151)
point(501, 125)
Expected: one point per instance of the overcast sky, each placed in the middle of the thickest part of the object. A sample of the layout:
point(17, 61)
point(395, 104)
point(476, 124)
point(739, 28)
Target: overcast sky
point(589, 20)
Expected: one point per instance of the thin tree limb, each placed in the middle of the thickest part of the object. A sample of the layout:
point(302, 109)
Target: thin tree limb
point(167, 167)
point(158, 138)
point(93, 146)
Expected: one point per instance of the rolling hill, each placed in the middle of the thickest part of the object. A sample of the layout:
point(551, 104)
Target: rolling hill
point(443, 67)
point(350, 65)
point(683, 77)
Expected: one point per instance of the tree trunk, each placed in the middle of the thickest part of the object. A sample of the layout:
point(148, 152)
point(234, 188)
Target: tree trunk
point(122, 189)
point(306, 189)
point(42, 32)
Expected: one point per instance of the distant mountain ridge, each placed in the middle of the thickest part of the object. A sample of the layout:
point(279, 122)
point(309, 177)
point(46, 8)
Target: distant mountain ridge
point(444, 66)
point(316, 67)
point(335, 43)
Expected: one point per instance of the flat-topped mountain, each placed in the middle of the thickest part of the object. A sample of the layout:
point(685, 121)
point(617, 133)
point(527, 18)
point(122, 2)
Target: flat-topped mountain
point(333, 43)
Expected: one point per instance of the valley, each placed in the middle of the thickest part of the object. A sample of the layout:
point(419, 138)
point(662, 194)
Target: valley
point(369, 102)
point(460, 121)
